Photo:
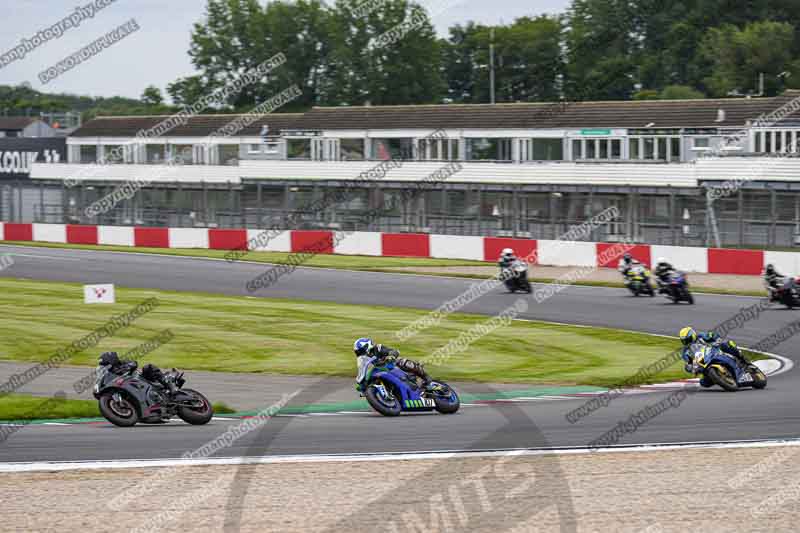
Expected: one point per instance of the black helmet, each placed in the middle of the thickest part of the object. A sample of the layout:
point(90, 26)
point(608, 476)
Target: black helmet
point(627, 257)
point(770, 270)
point(109, 359)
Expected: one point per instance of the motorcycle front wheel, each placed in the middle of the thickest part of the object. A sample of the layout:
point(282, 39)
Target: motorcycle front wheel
point(118, 409)
point(448, 402)
point(197, 416)
point(723, 378)
point(385, 406)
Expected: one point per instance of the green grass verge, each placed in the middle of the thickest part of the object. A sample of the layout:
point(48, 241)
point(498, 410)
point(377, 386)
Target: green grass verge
point(356, 262)
point(234, 334)
point(26, 407)
point(349, 262)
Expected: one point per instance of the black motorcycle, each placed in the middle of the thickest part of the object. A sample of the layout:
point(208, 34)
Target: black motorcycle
point(126, 398)
point(788, 293)
point(515, 277)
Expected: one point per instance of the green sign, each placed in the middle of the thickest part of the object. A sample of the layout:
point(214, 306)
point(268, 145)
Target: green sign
point(595, 132)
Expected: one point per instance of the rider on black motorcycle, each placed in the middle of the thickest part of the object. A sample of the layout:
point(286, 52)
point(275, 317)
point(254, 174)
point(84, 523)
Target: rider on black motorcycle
point(626, 263)
point(663, 272)
point(149, 372)
point(364, 347)
point(773, 280)
point(507, 257)
point(689, 338)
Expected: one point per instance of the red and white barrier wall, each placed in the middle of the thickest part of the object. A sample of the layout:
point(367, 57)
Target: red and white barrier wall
point(542, 252)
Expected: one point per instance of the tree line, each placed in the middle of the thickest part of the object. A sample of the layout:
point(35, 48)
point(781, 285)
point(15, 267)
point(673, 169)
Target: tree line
point(596, 50)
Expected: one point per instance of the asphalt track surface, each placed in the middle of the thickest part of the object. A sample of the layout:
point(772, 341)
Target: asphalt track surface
point(708, 415)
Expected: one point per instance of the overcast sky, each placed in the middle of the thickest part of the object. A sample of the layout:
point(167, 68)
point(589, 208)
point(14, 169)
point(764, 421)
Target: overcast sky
point(157, 53)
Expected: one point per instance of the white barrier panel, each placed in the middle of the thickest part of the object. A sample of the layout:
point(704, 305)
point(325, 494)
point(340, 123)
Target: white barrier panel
point(2, 232)
point(115, 235)
point(188, 238)
point(357, 243)
point(50, 232)
point(787, 263)
point(566, 253)
point(456, 247)
point(687, 258)
point(281, 242)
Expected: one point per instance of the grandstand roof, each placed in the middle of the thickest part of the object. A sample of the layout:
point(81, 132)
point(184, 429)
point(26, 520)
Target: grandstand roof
point(658, 114)
point(197, 126)
point(16, 123)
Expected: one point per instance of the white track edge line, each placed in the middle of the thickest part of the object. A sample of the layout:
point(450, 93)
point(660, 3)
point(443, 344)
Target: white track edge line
point(406, 456)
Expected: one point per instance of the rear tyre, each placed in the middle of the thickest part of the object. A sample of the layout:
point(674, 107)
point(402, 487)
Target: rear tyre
point(723, 378)
point(689, 298)
point(196, 416)
point(448, 403)
point(382, 405)
point(120, 411)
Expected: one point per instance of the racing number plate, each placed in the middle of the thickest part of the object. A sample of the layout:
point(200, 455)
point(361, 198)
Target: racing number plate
point(428, 402)
point(746, 378)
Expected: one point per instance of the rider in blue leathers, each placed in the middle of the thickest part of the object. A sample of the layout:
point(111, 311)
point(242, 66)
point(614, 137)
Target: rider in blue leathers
point(365, 349)
point(691, 339)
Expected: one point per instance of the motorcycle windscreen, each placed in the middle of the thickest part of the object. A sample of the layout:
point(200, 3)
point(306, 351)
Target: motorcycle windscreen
point(363, 363)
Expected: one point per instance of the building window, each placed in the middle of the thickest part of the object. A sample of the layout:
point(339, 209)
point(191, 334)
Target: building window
point(675, 147)
point(701, 142)
point(272, 148)
point(88, 153)
point(548, 150)
point(385, 149)
point(616, 149)
point(489, 149)
point(253, 148)
point(633, 148)
point(351, 149)
point(298, 149)
point(155, 153)
point(228, 154)
point(182, 154)
point(113, 153)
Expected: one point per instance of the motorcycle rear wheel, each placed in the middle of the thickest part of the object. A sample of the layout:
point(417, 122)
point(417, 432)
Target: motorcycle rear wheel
point(196, 417)
point(384, 407)
point(121, 413)
point(724, 380)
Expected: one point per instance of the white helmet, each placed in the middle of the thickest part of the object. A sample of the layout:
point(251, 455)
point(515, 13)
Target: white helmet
point(507, 251)
point(661, 260)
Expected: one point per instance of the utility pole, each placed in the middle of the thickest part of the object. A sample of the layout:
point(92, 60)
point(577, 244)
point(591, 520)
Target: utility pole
point(491, 64)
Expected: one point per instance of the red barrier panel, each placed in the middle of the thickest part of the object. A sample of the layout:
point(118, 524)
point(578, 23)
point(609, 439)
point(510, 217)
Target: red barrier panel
point(609, 254)
point(81, 234)
point(314, 242)
point(227, 239)
point(524, 248)
point(406, 245)
point(18, 232)
point(724, 261)
point(151, 237)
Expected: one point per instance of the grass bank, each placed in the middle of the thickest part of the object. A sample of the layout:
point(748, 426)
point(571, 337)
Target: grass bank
point(234, 334)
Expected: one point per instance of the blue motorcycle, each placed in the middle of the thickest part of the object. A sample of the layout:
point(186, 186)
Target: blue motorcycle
point(390, 390)
point(719, 368)
point(677, 288)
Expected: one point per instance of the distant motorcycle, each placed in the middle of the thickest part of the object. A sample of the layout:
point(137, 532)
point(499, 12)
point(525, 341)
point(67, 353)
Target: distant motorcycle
point(788, 293)
point(390, 390)
point(518, 280)
point(126, 398)
point(677, 288)
point(637, 279)
point(719, 368)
